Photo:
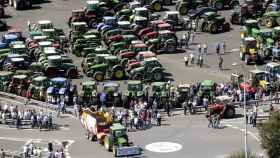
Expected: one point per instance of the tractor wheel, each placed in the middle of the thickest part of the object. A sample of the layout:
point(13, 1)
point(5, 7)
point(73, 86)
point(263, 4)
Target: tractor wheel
point(226, 27)
point(2, 12)
point(157, 6)
point(99, 76)
point(269, 22)
point(183, 10)
point(247, 61)
point(92, 23)
point(213, 28)
point(204, 27)
point(107, 143)
point(118, 73)
point(234, 19)
point(229, 112)
point(218, 5)
point(157, 76)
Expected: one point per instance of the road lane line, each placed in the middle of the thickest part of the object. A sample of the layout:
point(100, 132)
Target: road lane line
point(253, 135)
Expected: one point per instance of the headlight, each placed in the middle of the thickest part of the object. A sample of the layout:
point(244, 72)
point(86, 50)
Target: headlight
point(252, 51)
point(115, 94)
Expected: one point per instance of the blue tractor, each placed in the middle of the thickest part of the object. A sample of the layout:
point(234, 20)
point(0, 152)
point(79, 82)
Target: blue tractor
point(61, 91)
point(111, 94)
point(107, 24)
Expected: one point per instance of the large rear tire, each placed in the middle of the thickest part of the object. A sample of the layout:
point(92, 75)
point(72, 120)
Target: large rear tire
point(218, 5)
point(157, 6)
point(229, 112)
point(183, 10)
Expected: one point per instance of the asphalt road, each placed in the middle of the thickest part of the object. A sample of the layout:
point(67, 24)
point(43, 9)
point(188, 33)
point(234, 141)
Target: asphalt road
point(192, 133)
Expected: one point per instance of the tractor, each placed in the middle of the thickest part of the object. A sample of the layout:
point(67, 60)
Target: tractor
point(222, 106)
point(89, 93)
point(173, 18)
point(38, 87)
point(273, 70)
point(116, 138)
point(21, 4)
point(213, 23)
point(271, 19)
point(16, 62)
point(78, 29)
point(221, 4)
point(265, 40)
point(159, 92)
point(183, 93)
point(149, 70)
point(61, 90)
point(111, 94)
point(249, 27)
point(260, 79)
point(19, 85)
point(184, 6)
point(5, 78)
point(106, 67)
point(249, 51)
point(155, 5)
point(134, 91)
point(206, 90)
point(250, 9)
point(236, 79)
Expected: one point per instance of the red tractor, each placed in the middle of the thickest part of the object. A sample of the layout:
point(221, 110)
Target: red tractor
point(223, 107)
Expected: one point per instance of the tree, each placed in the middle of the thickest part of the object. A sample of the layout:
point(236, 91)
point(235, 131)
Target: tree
point(241, 154)
point(270, 135)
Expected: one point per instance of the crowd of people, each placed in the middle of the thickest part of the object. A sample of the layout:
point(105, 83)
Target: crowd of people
point(39, 120)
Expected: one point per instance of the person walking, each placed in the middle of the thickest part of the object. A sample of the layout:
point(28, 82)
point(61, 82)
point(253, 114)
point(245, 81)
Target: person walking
point(220, 62)
point(199, 48)
point(224, 47)
point(2, 153)
point(158, 116)
point(192, 36)
point(186, 58)
point(187, 39)
point(255, 115)
point(218, 48)
point(200, 61)
point(205, 48)
point(192, 58)
point(185, 106)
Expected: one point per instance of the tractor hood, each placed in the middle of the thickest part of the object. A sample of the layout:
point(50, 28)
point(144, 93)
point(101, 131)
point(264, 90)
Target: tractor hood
point(138, 69)
point(220, 19)
point(122, 141)
point(97, 66)
point(272, 14)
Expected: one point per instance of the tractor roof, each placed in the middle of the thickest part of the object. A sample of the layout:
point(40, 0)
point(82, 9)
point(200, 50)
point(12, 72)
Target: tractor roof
point(251, 21)
point(89, 36)
point(277, 28)
point(124, 23)
point(111, 84)
point(172, 12)
point(158, 83)
point(207, 83)
point(272, 13)
point(17, 59)
point(89, 83)
point(5, 73)
point(41, 22)
point(140, 18)
point(111, 57)
point(151, 59)
point(165, 32)
point(20, 76)
point(249, 39)
point(134, 82)
point(109, 18)
point(40, 78)
point(58, 79)
point(10, 36)
point(184, 85)
point(117, 127)
point(102, 55)
point(40, 37)
point(257, 71)
point(140, 9)
point(54, 57)
point(45, 43)
point(79, 23)
point(93, 2)
point(273, 64)
point(18, 46)
point(210, 13)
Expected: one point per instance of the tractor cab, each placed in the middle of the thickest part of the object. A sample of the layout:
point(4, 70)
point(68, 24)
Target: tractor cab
point(45, 24)
point(139, 47)
point(264, 34)
point(248, 28)
point(143, 12)
point(276, 33)
point(167, 34)
point(159, 92)
point(19, 84)
point(7, 39)
point(249, 50)
point(183, 92)
point(38, 87)
point(140, 21)
point(172, 15)
point(92, 6)
point(50, 51)
point(19, 49)
point(273, 70)
point(259, 78)
point(80, 27)
point(89, 89)
point(163, 26)
point(113, 93)
point(58, 90)
point(79, 13)
point(134, 89)
point(50, 33)
point(111, 60)
point(109, 20)
point(124, 25)
point(206, 90)
point(133, 5)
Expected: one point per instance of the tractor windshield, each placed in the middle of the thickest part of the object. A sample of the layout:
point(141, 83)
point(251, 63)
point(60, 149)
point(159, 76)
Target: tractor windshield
point(260, 76)
point(251, 44)
point(58, 84)
point(40, 83)
point(158, 88)
point(172, 17)
point(111, 88)
point(135, 87)
point(119, 133)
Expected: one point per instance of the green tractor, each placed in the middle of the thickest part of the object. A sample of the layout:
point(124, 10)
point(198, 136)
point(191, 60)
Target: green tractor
point(206, 90)
point(5, 77)
point(149, 70)
point(112, 93)
point(213, 22)
point(248, 28)
point(183, 93)
point(184, 6)
point(159, 92)
point(106, 67)
point(85, 42)
point(271, 19)
point(89, 93)
point(38, 87)
point(134, 91)
point(220, 4)
point(116, 138)
point(78, 29)
point(265, 41)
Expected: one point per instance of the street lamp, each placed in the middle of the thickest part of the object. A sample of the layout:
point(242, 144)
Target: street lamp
point(245, 119)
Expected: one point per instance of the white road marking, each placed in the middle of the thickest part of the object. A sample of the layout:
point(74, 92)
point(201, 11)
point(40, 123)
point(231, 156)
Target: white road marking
point(235, 50)
point(163, 147)
point(30, 129)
